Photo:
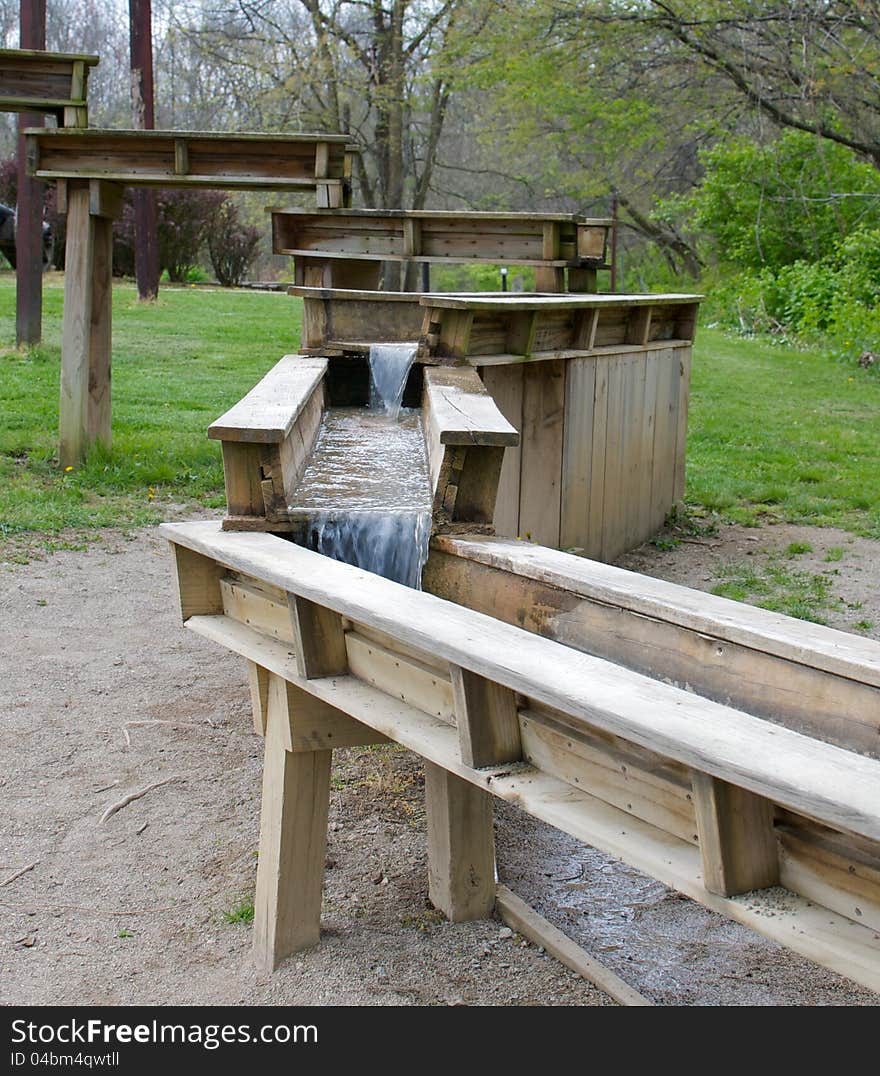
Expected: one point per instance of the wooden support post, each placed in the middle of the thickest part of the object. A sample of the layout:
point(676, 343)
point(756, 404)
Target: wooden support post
point(198, 583)
point(461, 846)
point(258, 682)
point(586, 323)
point(477, 484)
point(243, 477)
point(638, 326)
point(318, 638)
point(582, 281)
point(84, 415)
point(521, 329)
point(293, 845)
point(488, 726)
point(737, 841)
point(455, 333)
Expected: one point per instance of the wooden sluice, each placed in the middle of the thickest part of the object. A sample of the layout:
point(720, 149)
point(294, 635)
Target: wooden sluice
point(728, 752)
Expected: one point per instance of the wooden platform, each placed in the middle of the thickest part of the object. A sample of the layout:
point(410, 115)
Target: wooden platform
point(772, 827)
point(52, 82)
point(248, 161)
point(345, 249)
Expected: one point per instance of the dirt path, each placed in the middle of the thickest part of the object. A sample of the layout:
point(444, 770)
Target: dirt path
point(105, 695)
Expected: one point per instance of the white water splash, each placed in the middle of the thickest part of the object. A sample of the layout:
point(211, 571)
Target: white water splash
point(389, 368)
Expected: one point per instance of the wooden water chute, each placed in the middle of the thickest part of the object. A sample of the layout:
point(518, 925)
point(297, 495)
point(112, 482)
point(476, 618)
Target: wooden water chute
point(268, 435)
point(345, 248)
point(597, 385)
point(55, 83)
point(92, 168)
point(764, 822)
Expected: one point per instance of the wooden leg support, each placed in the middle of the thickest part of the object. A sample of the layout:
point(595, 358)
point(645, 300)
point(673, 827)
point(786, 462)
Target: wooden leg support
point(293, 844)
point(84, 415)
point(737, 841)
point(461, 846)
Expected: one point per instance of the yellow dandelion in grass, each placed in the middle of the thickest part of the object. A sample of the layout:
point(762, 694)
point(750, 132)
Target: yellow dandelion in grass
point(151, 493)
point(67, 470)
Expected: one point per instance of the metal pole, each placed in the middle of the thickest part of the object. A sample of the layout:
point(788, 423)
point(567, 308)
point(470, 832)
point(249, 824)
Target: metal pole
point(504, 278)
point(29, 202)
point(146, 257)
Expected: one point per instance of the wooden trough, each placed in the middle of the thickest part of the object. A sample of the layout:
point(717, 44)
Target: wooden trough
point(55, 83)
point(773, 822)
point(597, 385)
point(333, 249)
point(729, 752)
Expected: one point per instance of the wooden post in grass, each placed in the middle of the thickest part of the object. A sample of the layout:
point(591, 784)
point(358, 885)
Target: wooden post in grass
point(84, 414)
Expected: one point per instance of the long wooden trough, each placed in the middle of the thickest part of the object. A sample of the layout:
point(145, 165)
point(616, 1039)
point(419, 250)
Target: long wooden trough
point(345, 249)
point(52, 82)
point(747, 815)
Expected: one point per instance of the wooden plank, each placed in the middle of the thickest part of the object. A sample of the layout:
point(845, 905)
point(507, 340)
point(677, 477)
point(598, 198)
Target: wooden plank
point(737, 841)
point(577, 453)
point(614, 494)
point(639, 783)
point(684, 389)
point(526, 921)
point(398, 674)
point(293, 842)
point(812, 778)
point(318, 638)
point(105, 199)
point(810, 678)
point(638, 326)
point(457, 404)
point(665, 434)
point(243, 479)
point(268, 412)
point(197, 580)
point(644, 524)
point(245, 602)
point(636, 463)
point(807, 928)
point(595, 503)
point(461, 846)
point(488, 726)
point(541, 457)
point(505, 385)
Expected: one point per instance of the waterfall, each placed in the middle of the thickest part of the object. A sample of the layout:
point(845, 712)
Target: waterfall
point(365, 496)
point(389, 368)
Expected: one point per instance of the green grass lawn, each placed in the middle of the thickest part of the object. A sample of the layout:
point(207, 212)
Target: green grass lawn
point(177, 365)
point(778, 433)
point(774, 432)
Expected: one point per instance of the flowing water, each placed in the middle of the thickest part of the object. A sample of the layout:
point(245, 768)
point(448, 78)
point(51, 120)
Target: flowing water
point(365, 496)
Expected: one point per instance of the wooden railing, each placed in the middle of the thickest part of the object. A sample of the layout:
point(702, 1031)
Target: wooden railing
point(52, 82)
point(708, 798)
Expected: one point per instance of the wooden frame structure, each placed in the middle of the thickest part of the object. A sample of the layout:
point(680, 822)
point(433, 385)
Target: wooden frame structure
point(92, 168)
point(52, 82)
point(345, 249)
point(268, 435)
point(597, 385)
point(705, 796)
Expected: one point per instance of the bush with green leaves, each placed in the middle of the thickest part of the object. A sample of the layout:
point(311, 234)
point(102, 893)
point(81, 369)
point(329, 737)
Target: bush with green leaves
point(779, 203)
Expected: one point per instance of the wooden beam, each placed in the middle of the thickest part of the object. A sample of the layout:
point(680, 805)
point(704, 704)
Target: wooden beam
point(526, 921)
point(84, 413)
point(293, 842)
point(318, 637)
point(737, 842)
point(461, 846)
point(488, 727)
